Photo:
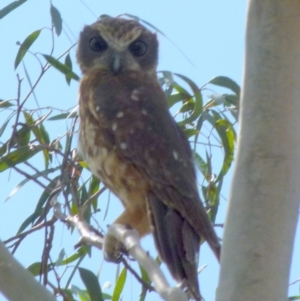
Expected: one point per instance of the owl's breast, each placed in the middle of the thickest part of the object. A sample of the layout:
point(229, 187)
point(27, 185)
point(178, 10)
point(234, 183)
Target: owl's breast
point(102, 153)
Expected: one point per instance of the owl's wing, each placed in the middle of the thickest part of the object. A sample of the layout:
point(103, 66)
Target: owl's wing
point(150, 139)
point(159, 149)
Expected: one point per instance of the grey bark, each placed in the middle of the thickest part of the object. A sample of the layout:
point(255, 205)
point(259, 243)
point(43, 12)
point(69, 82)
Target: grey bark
point(264, 200)
point(16, 283)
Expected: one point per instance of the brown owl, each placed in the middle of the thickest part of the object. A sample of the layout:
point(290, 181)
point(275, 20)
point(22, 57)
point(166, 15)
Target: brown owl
point(131, 142)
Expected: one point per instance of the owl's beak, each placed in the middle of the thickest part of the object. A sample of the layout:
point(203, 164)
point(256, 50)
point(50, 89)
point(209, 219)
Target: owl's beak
point(116, 65)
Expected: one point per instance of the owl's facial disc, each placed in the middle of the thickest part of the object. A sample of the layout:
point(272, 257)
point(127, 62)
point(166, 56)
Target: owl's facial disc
point(118, 56)
point(118, 45)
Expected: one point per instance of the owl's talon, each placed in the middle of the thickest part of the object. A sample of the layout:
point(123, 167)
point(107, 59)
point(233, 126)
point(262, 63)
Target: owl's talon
point(112, 249)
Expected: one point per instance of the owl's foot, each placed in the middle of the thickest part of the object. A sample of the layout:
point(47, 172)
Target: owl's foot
point(112, 247)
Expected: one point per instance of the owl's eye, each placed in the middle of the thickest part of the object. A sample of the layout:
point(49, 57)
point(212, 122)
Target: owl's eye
point(138, 48)
point(97, 44)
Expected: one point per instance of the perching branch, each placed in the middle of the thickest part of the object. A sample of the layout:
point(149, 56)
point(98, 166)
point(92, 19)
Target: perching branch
point(130, 240)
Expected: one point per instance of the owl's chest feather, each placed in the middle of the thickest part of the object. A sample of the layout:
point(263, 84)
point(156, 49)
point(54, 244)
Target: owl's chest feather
point(101, 151)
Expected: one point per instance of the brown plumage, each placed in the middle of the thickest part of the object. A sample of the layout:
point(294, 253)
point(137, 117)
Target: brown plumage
point(131, 142)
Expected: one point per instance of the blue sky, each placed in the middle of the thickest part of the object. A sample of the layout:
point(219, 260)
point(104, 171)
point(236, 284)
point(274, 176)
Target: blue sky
point(209, 33)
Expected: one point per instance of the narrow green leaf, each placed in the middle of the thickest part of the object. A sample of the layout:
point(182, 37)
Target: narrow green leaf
point(187, 106)
point(29, 120)
point(63, 116)
point(174, 98)
point(35, 268)
point(144, 275)
point(20, 155)
point(35, 176)
point(84, 196)
point(5, 104)
point(94, 187)
point(232, 99)
point(30, 220)
point(61, 67)
point(68, 296)
point(44, 138)
point(198, 128)
point(198, 104)
point(40, 205)
point(294, 298)
point(25, 46)
point(56, 19)
point(46, 193)
point(181, 90)
point(19, 139)
point(226, 133)
point(61, 256)
point(209, 166)
point(68, 63)
point(91, 283)
point(83, 295)
point(119, 285)
point(146, 279)
point(106, 296)
point(82, 251)
point(201, 164)
point(190, 132)
point(40, 133)
point(3, 127)
point(22, 137)
point(10, 7)
point(83, 164)
point(226, 82)
point(212, 198)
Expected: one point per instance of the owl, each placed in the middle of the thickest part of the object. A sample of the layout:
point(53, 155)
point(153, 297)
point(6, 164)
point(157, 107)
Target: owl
point(132, 144)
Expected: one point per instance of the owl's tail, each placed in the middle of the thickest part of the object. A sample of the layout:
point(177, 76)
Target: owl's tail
point(177, 243)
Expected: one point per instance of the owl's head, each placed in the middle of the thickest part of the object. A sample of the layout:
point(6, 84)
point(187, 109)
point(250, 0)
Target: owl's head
point(117, 45)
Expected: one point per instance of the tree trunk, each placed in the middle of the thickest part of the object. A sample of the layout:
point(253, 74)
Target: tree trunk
point(264, 199)
point(16, 283)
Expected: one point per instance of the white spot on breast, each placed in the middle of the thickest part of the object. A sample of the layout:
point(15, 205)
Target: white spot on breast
point(97, 108)
point(114, 126)
point(175, 155)
point(120, 114)
point(123, 145)
point(144, 112)
point(135, 95)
